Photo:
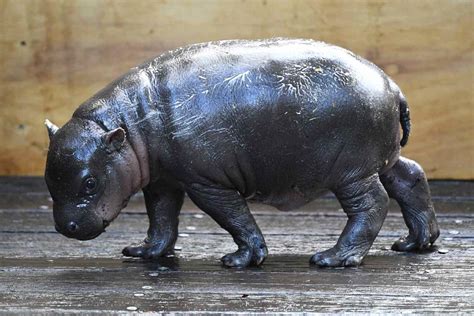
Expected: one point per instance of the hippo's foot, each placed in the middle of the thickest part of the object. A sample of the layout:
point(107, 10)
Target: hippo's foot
point(421, 242)
point(148, 250)
point(423, 234)
point(335, 257)
point(245, 257)
point(406, 183)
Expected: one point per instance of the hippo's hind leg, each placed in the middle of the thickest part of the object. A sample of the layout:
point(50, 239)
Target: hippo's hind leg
point(229, 209)
point(163, 203)
point(366, 203)
point(406, 183)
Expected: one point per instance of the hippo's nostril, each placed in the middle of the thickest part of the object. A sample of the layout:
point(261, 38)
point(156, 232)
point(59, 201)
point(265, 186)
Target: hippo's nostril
point(72, 227)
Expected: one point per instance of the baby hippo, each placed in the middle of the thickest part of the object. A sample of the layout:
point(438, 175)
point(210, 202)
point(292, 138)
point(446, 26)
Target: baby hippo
point(278, 121)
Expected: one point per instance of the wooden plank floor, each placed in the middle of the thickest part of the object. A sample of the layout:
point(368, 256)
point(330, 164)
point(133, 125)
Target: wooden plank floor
point(42, 271)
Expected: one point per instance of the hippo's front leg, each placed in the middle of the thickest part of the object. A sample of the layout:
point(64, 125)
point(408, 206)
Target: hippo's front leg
point(163, 204)
point(229, 209)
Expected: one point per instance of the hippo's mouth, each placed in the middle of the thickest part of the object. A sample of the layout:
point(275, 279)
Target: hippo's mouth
point(86, 237)
point(89, 237)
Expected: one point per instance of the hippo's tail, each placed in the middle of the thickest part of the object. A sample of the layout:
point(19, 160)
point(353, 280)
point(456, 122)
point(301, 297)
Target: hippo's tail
point(404, 120)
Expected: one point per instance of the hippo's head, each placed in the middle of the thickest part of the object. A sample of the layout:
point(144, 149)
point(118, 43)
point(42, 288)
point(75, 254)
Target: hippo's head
point(91, 174)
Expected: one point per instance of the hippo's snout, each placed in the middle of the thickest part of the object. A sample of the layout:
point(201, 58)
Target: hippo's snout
point(72, 227)
point(82, 229)
point(77, 234)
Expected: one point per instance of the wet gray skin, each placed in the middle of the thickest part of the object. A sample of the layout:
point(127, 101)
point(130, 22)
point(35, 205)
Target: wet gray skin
point(277, 121)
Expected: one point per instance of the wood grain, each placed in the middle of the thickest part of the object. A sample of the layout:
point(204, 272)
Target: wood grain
point(42, 272)
point(55, 54)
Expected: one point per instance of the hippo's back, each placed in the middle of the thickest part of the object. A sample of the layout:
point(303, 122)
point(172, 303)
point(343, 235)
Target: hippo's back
point(297, 68)
point(222, 78)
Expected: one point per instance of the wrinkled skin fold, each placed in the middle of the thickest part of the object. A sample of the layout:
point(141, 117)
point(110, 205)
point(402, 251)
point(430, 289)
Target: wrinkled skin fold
point(277, 121)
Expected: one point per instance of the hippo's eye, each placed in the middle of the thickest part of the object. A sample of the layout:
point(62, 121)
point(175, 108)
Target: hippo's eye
point(90, 185)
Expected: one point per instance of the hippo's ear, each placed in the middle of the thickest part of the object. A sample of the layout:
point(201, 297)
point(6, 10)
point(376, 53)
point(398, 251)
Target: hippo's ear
point(114, 139)
point(52, 129)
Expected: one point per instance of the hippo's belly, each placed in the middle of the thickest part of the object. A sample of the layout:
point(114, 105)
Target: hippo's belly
point(290, 199)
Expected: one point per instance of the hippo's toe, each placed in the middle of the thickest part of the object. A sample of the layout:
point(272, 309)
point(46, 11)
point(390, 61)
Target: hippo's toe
point(133, 251)
point(147, 250)
point(334, 258)
point(245, 257)
point(419, 240)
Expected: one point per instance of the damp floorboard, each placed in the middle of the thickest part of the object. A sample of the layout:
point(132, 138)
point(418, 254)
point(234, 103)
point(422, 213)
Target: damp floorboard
point(43, 272)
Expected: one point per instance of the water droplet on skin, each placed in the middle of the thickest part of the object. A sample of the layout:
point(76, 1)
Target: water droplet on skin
point(132, 308)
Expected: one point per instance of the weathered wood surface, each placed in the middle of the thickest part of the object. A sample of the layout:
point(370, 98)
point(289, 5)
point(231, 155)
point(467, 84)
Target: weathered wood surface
point(43, 272)
point(55, 54)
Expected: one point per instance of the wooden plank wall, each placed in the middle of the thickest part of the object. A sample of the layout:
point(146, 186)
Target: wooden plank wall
point(56, 54)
